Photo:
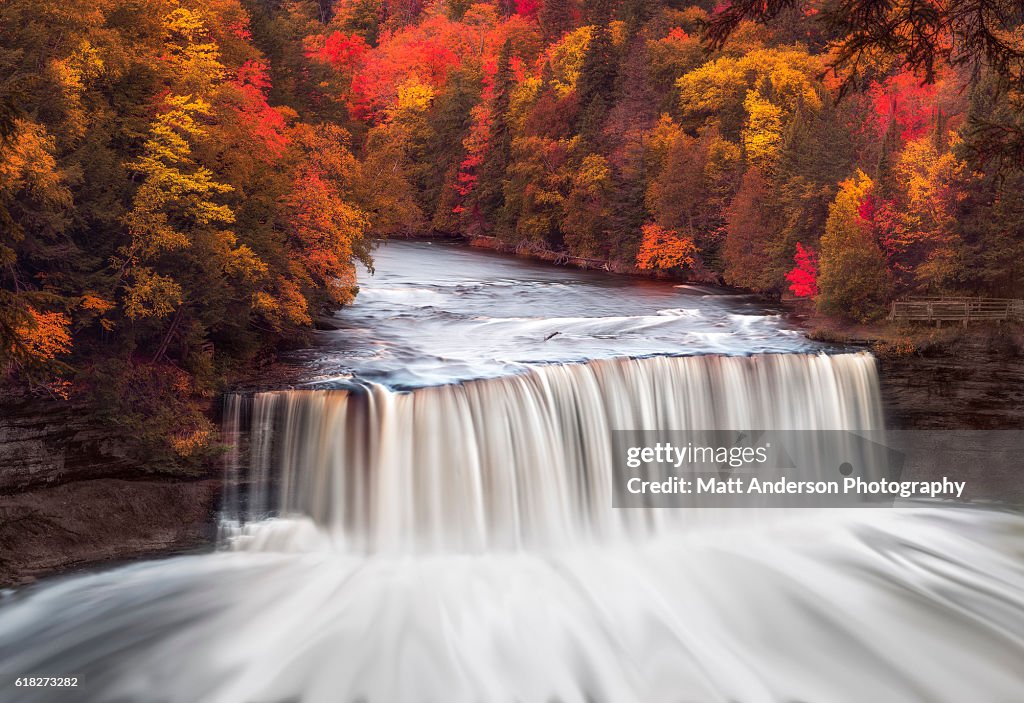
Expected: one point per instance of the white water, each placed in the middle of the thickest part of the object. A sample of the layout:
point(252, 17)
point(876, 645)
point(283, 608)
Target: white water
point(417, 583)
point(436, 313)
point(456, 544)
point(520, 461)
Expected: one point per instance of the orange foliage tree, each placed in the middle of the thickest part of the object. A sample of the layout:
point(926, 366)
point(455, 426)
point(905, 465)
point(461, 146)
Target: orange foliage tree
point(665, 250)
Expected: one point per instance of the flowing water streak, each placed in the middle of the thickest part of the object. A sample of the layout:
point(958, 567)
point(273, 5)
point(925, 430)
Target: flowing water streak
point(844, 606)
point(517, 461)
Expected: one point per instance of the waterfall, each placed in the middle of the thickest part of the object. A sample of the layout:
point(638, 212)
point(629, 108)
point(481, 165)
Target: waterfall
point(458, 543)
point(507, 462)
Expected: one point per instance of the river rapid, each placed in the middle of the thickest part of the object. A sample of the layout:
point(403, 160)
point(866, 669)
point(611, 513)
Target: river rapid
point(441, 313)
point(429, 517)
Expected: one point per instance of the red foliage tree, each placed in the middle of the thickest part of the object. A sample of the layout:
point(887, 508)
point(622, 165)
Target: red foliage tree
point(803, 278)
point(528, 8)
point(262, 121)
point(338, 50)
point(905, 100)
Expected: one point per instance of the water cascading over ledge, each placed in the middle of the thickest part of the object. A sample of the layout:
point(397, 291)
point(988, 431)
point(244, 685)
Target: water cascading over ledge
point(507, 462)
point(900, 605)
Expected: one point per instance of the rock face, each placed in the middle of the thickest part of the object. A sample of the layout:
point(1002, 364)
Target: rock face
point(45, 442)
point(70, 496)
point(84, 523)
point(977, 383)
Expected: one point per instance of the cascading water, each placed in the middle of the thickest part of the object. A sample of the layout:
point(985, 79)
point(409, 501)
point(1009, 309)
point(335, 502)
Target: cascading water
point(457, 543)
point(518, 461)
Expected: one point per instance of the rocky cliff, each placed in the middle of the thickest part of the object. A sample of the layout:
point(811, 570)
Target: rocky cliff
point(70, 495)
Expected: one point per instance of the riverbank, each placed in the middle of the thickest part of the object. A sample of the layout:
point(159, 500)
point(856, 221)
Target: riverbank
point(70, 496)
point(937, 378)
point(561, 258)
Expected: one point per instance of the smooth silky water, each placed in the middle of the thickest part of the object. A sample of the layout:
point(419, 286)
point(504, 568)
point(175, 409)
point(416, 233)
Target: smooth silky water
point(438, 313)
point(397, 532)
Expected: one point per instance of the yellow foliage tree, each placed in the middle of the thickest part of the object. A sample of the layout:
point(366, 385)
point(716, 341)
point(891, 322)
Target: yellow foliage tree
point(193, 52)
point(762, 133)
point(926, 238)
point(566, 59)
point(853, 279)
point(753, 98)
point(174, 200)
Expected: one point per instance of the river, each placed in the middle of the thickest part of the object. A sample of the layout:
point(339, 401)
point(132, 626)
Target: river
point(439, 313)
point(428, 517)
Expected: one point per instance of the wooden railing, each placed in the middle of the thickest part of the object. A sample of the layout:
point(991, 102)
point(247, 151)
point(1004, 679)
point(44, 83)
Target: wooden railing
point(963, 310)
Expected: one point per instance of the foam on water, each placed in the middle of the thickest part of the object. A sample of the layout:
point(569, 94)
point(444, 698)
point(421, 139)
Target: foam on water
point(892, 606)
point(457, 544)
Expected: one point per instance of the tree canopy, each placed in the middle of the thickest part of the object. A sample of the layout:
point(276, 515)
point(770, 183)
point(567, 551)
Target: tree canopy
point(186, 186)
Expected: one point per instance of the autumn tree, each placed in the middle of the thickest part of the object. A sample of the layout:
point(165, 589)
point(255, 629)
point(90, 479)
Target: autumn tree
point(540, 176)
point(694, 180)
point(587, 207)
point(853, 279)
point(325, 225)
point(752, 98)
point(176, 198)
point(803, 277)
point(33, 198)
point(751, 231)
point(922, 234)
point(665, 250)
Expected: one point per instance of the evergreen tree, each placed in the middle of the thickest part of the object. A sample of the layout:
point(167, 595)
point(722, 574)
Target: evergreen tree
point(489, 194)
point(596, 84)
point(442, 149)
point(556, 18)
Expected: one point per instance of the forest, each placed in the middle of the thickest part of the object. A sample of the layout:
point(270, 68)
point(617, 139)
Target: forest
point(186, 186)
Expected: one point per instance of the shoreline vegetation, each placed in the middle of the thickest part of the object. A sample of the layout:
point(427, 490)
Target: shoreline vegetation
point(885, 338)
